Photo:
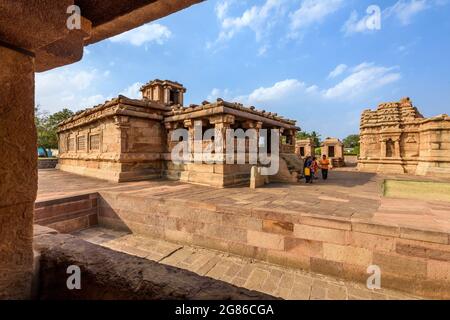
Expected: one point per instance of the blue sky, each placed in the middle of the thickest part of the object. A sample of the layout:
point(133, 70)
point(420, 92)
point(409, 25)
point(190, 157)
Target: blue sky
point(310, 60)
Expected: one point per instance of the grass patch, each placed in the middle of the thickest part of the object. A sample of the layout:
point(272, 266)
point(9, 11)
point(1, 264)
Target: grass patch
point(420, 190)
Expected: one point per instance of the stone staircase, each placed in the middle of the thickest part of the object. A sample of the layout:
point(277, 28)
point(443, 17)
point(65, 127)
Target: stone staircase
point(293, 162)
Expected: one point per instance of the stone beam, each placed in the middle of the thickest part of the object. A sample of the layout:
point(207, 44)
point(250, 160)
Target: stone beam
point(116, 16)
point(221, 109)
point(40, 26)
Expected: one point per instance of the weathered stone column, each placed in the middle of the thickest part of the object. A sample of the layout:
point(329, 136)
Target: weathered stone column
point(166, 97)
point(189, 124)
point(18, 172)
point(397, 148)
point(180, 98)
point(221, 124)
point(253, 146)
point(383, 148)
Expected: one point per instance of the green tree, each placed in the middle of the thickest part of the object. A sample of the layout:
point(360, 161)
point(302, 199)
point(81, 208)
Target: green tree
point(306, 135)
point(47, 125)
point(352, 141)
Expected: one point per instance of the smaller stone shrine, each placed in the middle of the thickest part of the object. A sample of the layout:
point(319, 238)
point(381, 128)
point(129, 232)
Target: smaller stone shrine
point(333, 148)
point(304, 148)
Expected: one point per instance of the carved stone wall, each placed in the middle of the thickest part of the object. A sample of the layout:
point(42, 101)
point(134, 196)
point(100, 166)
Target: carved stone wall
point(117, 143)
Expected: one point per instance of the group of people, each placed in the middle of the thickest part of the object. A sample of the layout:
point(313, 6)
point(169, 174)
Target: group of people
point(311, 168)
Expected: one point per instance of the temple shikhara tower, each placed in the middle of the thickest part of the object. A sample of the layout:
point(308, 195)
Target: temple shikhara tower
point(397, 139)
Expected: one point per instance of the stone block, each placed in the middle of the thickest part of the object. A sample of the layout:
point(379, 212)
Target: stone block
point(374, 228)
point(308, 248)
point(327, 267)
point(372, 241)
point(265, 240)
point(288, 259)
point(210, 242)
point(400, 265)
point(256, 179)
point(423, 249)
point(424, 235)
point(71, 225)
point(245, 222)
point(332, 223)
point(280, 227)
point(347, 254)
point(438, 270)
point(224, 232)
point(321, 234)
point(178, 236)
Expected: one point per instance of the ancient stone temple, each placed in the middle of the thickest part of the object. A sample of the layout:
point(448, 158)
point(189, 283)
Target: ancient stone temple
point(126, 139)
point(397, 139)
point(333, 148)
point(304, 148)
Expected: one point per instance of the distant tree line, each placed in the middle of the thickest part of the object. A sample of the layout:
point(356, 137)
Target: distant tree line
point(47, 125)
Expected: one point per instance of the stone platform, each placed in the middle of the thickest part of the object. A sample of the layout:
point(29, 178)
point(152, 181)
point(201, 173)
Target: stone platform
point(336, 228)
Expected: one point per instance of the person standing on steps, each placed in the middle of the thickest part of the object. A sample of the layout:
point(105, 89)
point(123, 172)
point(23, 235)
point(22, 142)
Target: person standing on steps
point(324, 166)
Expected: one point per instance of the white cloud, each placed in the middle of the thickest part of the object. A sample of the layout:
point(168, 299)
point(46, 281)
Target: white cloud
point(133, 91)
point(340, 104)
point(337, 71)
point(263, 50)
point(222, 9)
point(281, 90)
point(68, 87)
point(90, 101)
point(405, 10)
point(259, 19)
point(312, 12)
point(218, 93)
point(354, 24)
point(148, 33)
point(363, 79)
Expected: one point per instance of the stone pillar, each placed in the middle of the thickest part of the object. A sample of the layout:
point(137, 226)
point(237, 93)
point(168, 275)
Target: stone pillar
point(189, 124)
point(383, 148)
point(18, 172)
point(180, 97)
point(397, 148)
point(221, 124)
point(258, 128)
point(166, 96)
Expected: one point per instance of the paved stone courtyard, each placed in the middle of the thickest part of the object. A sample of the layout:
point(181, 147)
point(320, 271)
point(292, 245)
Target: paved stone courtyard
point(395, 232)
point(274, 280)
point(346, 195)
